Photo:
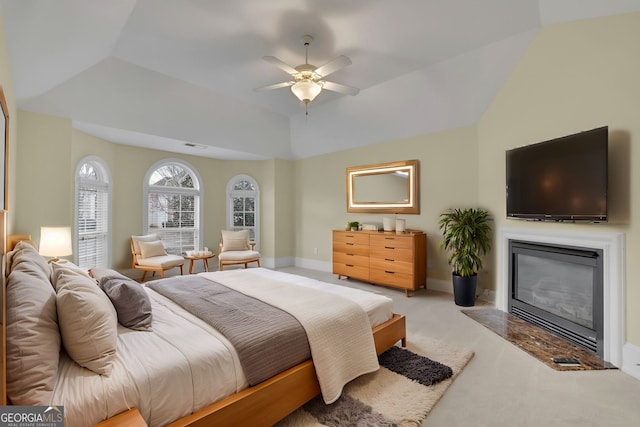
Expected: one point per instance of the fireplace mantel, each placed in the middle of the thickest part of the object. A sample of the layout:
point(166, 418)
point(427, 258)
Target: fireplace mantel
point(612, 245)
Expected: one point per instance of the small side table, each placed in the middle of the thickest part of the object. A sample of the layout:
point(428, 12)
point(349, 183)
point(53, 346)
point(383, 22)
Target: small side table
point(205, 260)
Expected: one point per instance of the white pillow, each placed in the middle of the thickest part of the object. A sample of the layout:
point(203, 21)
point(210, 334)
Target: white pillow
point(87, 319)
point(64, 265)
point(235, 240)
point(145, 238)
point(151, 249)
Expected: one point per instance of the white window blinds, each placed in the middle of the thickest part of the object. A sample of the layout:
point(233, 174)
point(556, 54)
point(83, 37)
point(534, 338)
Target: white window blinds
point(92, 216)
point(242, 202)
point(173, 207)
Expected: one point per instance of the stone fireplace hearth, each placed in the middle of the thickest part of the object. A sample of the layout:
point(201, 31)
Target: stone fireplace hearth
point(612, 246)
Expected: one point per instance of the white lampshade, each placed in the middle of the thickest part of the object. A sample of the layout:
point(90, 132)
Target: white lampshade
point(306, 90)
point(55, 241)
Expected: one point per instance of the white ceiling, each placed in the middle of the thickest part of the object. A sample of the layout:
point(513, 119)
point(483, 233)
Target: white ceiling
point(162, 73)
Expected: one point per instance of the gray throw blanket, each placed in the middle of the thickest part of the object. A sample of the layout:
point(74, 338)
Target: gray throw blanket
point(268, 340)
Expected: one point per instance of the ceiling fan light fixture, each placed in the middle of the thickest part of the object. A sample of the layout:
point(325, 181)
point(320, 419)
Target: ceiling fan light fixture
point(306, 90)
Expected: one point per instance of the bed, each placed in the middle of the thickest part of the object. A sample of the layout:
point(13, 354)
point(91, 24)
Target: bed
point(180, 372)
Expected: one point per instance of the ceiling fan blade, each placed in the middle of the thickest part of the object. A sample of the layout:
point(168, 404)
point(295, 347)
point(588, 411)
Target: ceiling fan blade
point(280, 64)
point(335, 87)
point(275, 86)
point(333, 66)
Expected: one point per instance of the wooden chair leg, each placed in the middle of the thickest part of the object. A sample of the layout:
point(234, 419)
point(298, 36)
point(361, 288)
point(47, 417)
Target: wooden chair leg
point(144, 274)
point(181, 272)
point(162, 274)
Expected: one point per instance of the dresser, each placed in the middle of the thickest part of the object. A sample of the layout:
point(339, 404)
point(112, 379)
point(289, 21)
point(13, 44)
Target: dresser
point(384, 258)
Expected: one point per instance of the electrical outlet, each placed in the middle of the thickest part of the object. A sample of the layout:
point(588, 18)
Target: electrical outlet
point(315, 251)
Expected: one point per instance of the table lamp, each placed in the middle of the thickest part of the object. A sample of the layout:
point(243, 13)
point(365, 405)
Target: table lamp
point(55, 242)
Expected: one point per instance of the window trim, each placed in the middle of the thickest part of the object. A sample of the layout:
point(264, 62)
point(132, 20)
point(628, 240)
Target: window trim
point(197, 190)
point(230, 184)
point(104, 169)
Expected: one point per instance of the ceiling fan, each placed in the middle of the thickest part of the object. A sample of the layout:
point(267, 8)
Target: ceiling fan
point(308, 80)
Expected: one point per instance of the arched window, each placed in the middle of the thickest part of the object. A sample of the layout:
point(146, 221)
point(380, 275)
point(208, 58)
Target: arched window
point(92, 213)
point(243, 207)
point(172, 208)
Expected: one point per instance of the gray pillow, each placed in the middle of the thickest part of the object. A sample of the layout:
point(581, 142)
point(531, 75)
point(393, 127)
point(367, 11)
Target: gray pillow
point(129, 298)
point(99, 273)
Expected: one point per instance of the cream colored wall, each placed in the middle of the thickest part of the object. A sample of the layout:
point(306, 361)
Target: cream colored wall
point(573, 77)
point(448, 173)
point(50, 150)
point(43, 174)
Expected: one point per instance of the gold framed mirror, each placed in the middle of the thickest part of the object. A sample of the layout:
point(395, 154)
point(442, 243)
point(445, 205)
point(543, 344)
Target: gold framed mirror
point(384, 188)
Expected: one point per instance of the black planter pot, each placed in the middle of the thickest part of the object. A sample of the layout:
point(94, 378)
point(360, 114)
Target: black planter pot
point(464, 290)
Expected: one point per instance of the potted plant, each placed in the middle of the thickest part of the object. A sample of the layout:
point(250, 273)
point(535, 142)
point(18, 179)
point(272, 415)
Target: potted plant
point(466, 234)
point(353, 225)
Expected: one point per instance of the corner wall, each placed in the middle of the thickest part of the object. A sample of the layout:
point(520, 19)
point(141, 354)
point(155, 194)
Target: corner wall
point(448, 174)
point(50, 149)
point(573, 77)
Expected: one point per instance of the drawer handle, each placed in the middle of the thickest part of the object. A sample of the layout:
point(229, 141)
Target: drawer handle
point(390, 260)
point(389, 238)
point(349, 254)
point(349, 265)
point(389, 247)
point(390, 272)
point(350, 244)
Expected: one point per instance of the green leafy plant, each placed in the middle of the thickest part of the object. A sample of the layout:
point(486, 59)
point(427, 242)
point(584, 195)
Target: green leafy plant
point(354, 224)
point(466, 234)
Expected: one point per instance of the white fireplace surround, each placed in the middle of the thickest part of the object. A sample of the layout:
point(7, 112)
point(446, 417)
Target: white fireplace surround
point(613, 248)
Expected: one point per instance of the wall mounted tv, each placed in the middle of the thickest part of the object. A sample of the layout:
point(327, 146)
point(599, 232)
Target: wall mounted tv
point(563, 179)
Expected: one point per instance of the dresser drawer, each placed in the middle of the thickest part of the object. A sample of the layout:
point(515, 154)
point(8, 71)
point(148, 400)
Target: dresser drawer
point(350, 259)
point(391, 265)
point(383, 258)
point(353, 271)
point(353, 237)
point(396, 254)
point(351, 248)
point(398, 280)
point(392, 240)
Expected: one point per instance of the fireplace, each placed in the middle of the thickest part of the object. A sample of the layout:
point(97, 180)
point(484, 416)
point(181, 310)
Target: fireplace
point(612, 245)
point(559, 288)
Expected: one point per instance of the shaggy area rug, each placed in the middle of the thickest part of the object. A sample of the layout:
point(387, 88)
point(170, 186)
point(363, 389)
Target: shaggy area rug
point(401, 393)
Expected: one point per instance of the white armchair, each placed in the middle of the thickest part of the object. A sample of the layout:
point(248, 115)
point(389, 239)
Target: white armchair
point(148, 254)
point(235, 248)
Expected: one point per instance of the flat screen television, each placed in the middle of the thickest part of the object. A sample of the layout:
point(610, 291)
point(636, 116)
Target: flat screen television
point(563, 179)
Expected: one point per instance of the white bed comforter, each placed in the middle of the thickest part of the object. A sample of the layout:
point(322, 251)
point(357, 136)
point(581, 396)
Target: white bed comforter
point(180, 367)
point(337, 328)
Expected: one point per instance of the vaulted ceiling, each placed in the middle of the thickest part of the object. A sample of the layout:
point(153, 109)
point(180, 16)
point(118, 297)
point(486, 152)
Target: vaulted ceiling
point(179, 75)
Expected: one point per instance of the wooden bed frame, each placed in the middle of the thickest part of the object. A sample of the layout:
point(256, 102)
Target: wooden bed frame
point(263, 404)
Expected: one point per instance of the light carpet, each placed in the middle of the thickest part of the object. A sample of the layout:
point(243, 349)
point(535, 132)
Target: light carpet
point(393, 398)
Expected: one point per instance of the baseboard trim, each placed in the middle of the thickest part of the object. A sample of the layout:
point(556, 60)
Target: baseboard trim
point(483, 294)
point(631, 360)
point(314, 264)
point(439, 285)
point(432, 284)
point(277, 262)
